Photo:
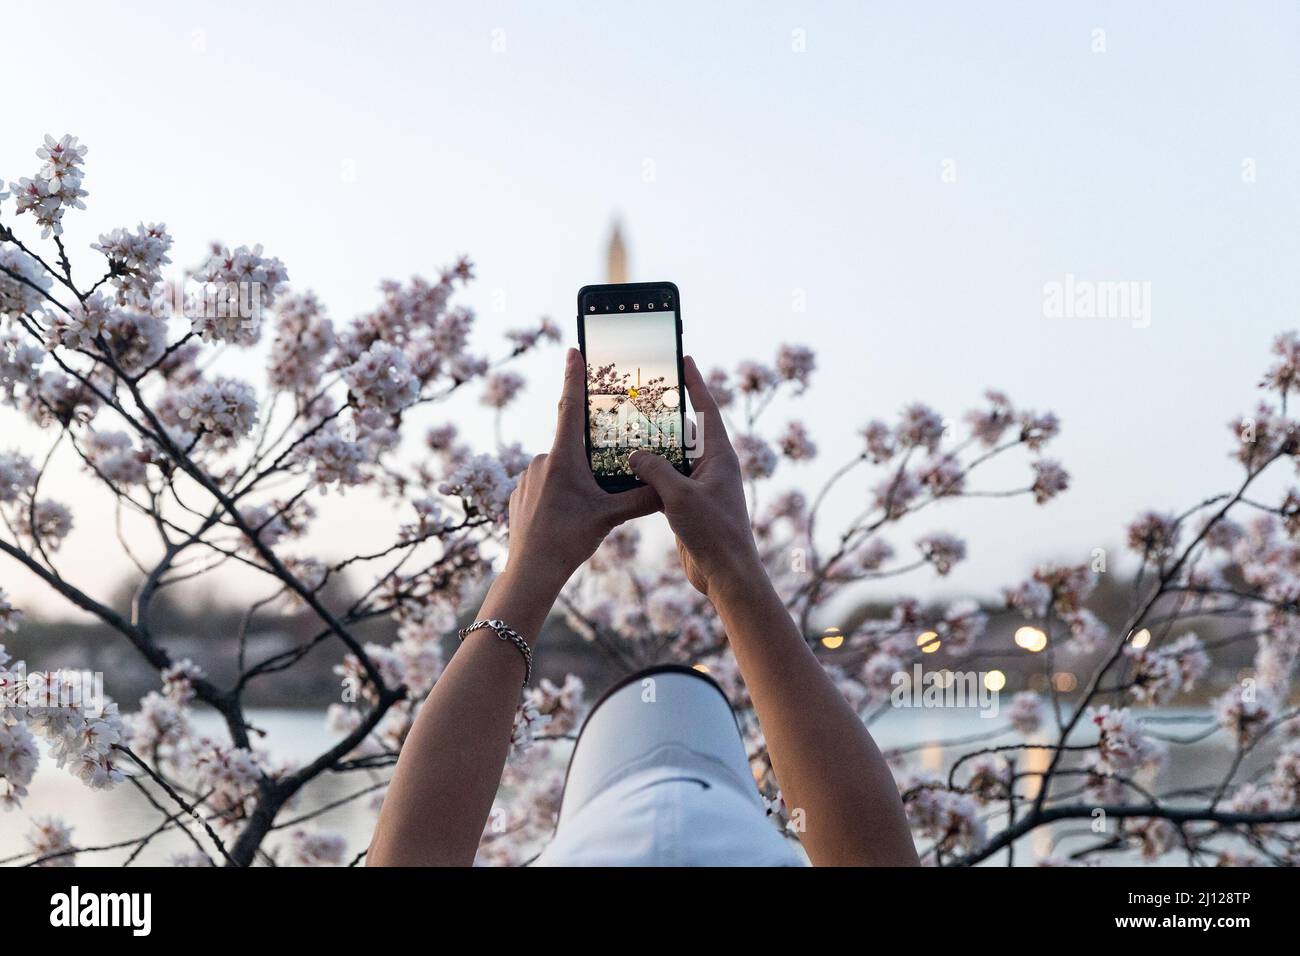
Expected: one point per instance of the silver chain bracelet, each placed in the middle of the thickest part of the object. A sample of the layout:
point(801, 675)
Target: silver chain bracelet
point(506, 633)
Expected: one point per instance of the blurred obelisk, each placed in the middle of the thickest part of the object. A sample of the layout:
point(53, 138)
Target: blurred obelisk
point(616, 257)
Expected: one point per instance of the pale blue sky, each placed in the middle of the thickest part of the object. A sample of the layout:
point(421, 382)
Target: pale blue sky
point(363, 141)
point(646, 342)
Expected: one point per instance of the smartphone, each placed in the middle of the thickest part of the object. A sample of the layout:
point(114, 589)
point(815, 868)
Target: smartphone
point(630, 335)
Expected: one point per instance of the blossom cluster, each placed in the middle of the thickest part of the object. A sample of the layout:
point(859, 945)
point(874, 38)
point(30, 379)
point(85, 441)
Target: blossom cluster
point(136, 261)
point(55, 188)
point(80, 735)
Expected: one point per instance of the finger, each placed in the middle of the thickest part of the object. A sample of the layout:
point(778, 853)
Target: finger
point(569, 440)
point(534, 466)
point(710, 426)
point(659, 474)
point(513, 503)
point(635, 503)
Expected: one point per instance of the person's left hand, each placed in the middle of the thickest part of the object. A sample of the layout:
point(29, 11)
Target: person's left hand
point(558, 514)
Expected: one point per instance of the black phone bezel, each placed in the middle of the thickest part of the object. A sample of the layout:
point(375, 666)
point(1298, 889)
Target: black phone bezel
point(627, 291)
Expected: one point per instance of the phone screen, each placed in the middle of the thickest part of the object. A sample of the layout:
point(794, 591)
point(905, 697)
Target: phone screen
point(634, 397)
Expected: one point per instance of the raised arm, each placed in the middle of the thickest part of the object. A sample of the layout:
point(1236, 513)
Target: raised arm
point(825, 760)
point(446, 777)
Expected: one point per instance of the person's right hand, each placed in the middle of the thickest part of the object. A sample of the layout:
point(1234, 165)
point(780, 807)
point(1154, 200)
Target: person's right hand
point(706, 510)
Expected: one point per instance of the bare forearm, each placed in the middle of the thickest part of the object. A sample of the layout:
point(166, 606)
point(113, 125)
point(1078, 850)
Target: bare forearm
point(825, 761)
point(451, 763)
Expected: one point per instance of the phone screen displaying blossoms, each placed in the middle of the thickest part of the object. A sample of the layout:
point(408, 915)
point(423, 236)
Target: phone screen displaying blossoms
point(630, 338)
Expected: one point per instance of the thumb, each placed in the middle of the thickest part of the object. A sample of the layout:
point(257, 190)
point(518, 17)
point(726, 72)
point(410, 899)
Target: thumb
point(658, 472)
point(573, 406)
point(635, 503)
